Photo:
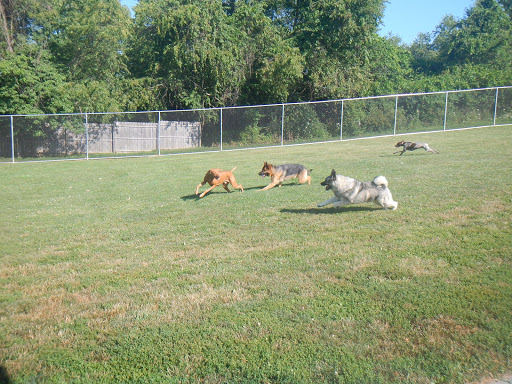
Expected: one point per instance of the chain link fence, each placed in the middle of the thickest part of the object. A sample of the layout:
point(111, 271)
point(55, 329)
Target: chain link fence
point(95, 135)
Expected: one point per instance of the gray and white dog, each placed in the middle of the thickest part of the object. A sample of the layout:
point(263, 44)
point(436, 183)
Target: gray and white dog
point(351, 191)
point(410, 146)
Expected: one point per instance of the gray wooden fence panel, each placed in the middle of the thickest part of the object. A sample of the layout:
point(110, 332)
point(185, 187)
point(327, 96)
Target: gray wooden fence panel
point(180, 134)
point(100, 138)
point(126, 136)
point(134, 136)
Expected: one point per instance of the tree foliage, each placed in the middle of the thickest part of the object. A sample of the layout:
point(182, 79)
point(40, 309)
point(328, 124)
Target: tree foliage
point(471, 52)
point(91, 55)
point(31, 83)
point(88, 38)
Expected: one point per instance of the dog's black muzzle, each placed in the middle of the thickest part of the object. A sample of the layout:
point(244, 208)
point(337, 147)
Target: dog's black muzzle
point(263, 173)
point(326, 184)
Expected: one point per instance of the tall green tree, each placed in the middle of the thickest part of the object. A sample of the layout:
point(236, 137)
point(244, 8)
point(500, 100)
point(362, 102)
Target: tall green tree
point(483, 36)
point(88, 39)
point(479, 38)
point(471, 52)
point(30, 83)
point(14, 16)
point(192, 50)
point(64, 56)
point(21, 21)
point(273, 65)
point(335, 38)
point(390, 66)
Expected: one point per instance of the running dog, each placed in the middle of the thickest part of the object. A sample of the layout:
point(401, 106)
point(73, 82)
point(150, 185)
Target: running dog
point(216, 177)
point(280, 173)
point(351, 191)
point(409, 146)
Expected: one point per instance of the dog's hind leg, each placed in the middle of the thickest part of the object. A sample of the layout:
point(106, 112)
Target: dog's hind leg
point(304, 177)
point(387, 203)
point(428, 149)
point(234, 184)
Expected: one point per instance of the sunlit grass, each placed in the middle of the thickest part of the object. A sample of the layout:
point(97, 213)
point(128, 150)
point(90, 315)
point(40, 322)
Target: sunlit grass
point(113, 271)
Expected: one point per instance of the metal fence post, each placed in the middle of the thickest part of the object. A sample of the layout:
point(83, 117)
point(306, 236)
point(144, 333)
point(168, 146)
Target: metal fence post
point(12, 139)
point(396, 110)
point(113, 138)
point(282, 124)
point(86, 137)
point(341, 120)
point(158, 134)
point(221, 129)
point(445, 111)
point(495, 107)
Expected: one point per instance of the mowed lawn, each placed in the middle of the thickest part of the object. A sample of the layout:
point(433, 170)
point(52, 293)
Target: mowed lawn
point(113, 271)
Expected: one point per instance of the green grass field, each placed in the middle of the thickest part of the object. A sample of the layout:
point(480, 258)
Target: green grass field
point(113, 271)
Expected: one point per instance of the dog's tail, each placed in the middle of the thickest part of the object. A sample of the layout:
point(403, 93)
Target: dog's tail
point(233, 169)
point(381, 180)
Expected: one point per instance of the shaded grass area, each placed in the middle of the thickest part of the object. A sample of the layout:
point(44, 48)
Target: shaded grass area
point(113, 271)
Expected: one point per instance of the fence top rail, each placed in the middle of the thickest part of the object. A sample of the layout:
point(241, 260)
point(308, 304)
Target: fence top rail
point(261, 105)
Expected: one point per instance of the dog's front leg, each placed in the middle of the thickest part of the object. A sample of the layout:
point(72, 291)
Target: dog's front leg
point(199, 186)
point(271, 185)
point(332, 200)
point(208, 190)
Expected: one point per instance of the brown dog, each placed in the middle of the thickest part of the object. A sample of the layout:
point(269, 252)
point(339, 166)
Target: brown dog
point(216, 177)
point(280, 173)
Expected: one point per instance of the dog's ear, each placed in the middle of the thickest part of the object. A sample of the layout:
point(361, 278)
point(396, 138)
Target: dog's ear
point(333, 174)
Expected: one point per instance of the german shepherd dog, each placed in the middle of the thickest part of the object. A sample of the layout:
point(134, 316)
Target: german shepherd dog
point(351, 191)
point(280, 173)
point(409, 146)
point(216, 177)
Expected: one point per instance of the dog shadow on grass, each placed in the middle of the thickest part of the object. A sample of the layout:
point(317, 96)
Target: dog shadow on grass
point(329, 211)
point(190, 197)
point(4, 377)
point(219, 192)
point(405, 154)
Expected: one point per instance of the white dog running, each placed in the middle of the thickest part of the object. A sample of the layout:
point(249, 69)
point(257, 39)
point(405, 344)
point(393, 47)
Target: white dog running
point(351, 191)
